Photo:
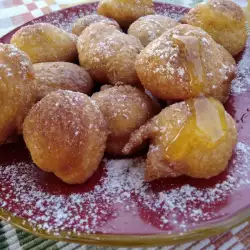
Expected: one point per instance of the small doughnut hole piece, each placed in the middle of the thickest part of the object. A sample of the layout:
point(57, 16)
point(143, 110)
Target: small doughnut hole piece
point(66, 134)
point(44, 42)
point(52, 76)
point(186, 141)
point(148, 28)
point(109, 55)
point(185, 62)
point(223, 20)
point(125, 12)
point(125, 108)
point(17, 90)
point(85, 21)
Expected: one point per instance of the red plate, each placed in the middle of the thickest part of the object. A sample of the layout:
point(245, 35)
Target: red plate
point(116, 207)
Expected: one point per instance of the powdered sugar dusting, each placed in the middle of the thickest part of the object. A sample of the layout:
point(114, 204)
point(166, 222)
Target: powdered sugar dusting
point(241, 83)
point(173, 208)
point(18, 65)
point(66, 18)
point(148, 28)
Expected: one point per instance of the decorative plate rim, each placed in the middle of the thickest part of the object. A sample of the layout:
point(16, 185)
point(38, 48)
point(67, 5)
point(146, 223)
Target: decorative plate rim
point(126, 240)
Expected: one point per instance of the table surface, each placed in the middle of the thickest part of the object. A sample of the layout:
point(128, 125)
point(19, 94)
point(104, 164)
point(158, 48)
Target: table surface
point(16, 12)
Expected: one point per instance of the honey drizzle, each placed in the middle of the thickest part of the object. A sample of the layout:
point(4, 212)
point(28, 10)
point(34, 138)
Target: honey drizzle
point(190, 46)
point(206, 125)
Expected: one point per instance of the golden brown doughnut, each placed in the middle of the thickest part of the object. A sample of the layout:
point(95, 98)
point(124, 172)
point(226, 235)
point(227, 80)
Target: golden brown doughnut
point(148, 28)
point(223, 20)
point(66, 134)
point(85, 21)
point(186, 141)
point(185, 62)
point(52, 76)
point(125, 108)
point(125, 12)
point(108, 54)
point(44, 42)
point(17, 90)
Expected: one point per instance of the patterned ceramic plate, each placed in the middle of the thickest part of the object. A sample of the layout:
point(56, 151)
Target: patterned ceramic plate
point(116, 207)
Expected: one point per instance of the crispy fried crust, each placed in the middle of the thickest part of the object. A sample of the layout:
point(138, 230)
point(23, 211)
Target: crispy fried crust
point(126, 108)
point(185, 62)
point(17, 90)
point(197, 159)
point(66, 134)
point(44, 42)
point(125, 12)
point(61, 75)
point(148, 28)
point(224, 20)
point(108, 54)
point(85, 21)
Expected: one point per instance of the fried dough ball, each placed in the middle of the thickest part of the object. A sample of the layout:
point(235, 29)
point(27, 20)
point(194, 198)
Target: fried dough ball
point(125, 108)
point(185, 62)
point(17, 90)
point(44, 42)
point(148, 28)
point(85, 21)
point(108, 54)
point(223, 20)
point(186, 141)
point(125, 12)
point(66, 134)
point(52, 76)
